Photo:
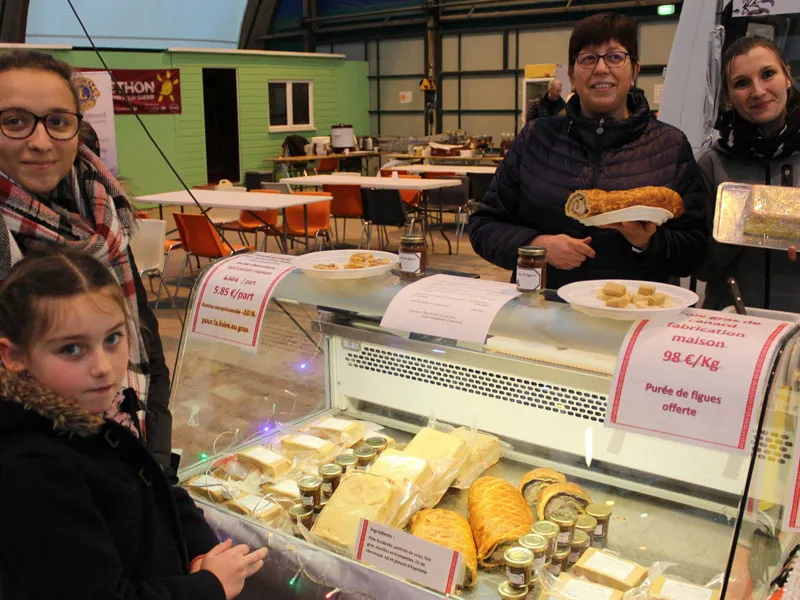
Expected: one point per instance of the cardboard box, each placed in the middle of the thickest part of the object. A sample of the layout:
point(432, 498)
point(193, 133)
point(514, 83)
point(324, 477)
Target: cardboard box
point(662, 588)
point(609, 570)
point(579, 589)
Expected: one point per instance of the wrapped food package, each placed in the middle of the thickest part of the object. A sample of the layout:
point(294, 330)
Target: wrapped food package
point(264, 510)
point(484, 450)
point(663, 588)
point(772, 211)
point(212, 488)
point(339, 431)
point(583, 204)
point(444, 453)
point(265, 460)
point(567, 586)
point(286, 493)
point(534, 481)
point(559, 496)
point(359, 495)
point(407, 472)
point(451, 530)
point(609, 570)
point(499, 516)
point(308, 447)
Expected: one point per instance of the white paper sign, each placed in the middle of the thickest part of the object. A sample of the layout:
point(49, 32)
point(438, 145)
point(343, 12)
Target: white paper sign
point(234, 295)
point(97, 107)
point(697, 378)
point(791, 516)
point(447, 306)
point(658, 90)
point(408, 556)
point(405, 97)
point(758, 8)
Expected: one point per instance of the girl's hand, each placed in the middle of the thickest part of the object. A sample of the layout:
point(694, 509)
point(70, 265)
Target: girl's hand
point(638, 233)
point(792, 253)
point(232, 565)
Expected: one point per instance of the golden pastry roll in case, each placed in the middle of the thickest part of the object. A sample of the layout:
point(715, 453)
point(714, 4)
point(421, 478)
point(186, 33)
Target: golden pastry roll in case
point(451, 530)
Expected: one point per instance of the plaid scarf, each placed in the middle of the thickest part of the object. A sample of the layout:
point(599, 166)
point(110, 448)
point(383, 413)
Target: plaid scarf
point(100, 224)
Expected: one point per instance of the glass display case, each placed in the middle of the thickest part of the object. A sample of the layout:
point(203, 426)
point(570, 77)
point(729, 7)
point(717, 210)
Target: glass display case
point(540, 383)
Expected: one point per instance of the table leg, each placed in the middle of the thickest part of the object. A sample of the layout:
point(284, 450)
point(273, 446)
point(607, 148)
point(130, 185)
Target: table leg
point(305, 223)
point(285, 237)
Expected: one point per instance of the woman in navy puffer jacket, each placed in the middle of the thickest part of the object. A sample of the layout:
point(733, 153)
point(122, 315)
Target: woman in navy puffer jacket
point(608, 140)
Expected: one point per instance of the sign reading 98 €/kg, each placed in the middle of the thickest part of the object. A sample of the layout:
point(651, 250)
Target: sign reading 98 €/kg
point(233, 297)
point(697, 378)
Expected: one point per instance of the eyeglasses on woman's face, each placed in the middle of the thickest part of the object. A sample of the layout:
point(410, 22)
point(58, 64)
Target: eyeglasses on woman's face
point(18, 124)
point(613, 60)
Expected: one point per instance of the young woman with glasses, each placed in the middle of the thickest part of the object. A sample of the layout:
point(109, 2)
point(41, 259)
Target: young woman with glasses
point(55, 193)
point(607, 140)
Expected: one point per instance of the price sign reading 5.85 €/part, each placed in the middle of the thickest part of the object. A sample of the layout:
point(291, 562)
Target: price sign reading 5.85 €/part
point(697, 378)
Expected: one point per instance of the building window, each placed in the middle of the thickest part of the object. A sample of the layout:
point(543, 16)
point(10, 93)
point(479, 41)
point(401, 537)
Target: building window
point(291, 107)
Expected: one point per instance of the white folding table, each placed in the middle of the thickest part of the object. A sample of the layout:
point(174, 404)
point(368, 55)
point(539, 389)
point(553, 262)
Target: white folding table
point(457, 169)
point(209, 199)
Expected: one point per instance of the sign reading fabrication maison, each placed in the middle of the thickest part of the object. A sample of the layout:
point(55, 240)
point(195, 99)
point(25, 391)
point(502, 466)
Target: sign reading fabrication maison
point(152, 92)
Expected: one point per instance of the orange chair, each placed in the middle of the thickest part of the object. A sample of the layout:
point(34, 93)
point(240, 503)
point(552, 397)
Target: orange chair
point(253, 221)
point(319, 219)
point(200, 239)
point(411, 197)
point(346, 204)
point(390, 172)
point(327, 165)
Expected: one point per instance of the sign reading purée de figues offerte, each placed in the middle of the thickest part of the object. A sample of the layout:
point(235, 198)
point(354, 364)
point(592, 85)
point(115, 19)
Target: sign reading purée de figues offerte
point(696, 379)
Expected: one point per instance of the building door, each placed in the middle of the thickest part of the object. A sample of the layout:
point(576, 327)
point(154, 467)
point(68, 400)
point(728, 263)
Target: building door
point(221, 104)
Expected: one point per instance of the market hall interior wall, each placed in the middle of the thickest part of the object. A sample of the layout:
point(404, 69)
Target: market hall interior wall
point(340, 95)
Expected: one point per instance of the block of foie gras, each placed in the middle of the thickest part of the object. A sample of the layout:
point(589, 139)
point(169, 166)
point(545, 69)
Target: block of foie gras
point(265, 460)
point(286, 493)
point(499, 516)
point(340, 431)
point(483, 452)
point(559, 496)
point(400, 467)
point(610, 570)
point(534, 481)
point(451, 530)
point(359, 496)
point(444, 453)
point(251, 505)
point(212, 488)
point(308, 446)
point(583, 204)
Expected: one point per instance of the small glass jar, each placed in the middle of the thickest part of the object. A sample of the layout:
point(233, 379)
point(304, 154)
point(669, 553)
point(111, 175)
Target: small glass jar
point(413, 254)
point(301, 514)
point(346, 461)
point(531, 269)
point(519, 563)
point(506, 591)
point(310, 491)
point(365, 456)
point(601, 512)
point(380, 444)
point(536, 544)
point(560, 562)
point(588, 524)
point(331, 476)
point(565, 519)
point(580, 542)
point(549, 531)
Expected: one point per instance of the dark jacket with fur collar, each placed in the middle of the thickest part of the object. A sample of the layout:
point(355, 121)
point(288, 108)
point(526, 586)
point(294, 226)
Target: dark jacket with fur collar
point(85, 511)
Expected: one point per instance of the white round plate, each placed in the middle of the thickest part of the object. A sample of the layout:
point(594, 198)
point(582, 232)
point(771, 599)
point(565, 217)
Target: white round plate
point(659, 216)
point(582, 296)
point(306, 262)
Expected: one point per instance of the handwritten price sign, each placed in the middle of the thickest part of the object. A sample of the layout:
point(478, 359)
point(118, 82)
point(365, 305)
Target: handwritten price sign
point(706, 384)
point(233, 297)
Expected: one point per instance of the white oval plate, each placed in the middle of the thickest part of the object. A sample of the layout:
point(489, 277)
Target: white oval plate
point(659, 216)
point(582, 296)
point(306, 262)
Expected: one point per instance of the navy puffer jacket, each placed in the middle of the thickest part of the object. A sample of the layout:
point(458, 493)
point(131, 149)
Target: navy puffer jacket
point(554, 156)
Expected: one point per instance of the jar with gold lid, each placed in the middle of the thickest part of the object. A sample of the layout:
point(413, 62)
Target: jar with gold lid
point(298, 513)
point(347, 461)
point(365, 456)
point(310, 488)
point(519, 563)
point(331, 475)
point(506, 591)
point(536, 544)
point(588, 524)
point(560, 562)
point(601, 512)
point(379, 443)
point(565, 519)
point(531, 269)
point(579, 544)
point(549, 531)
point(413, 254)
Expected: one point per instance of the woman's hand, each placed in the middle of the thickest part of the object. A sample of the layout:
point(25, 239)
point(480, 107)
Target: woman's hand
point(638, 233)
point(565, 252)
point(792, 253)
point(232, 565)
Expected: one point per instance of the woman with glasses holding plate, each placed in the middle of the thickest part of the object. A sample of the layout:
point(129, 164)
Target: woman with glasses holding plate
point(54, 192)
point(608, 140)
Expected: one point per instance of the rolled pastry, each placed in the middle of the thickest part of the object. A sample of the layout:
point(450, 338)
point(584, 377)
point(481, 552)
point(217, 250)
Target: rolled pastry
point(499, 516)
point(533, 482)
point(562, 495)
point(583, 204)
point(451, 530)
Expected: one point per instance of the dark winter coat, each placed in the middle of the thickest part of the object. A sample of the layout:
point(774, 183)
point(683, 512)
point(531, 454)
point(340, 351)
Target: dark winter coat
point(85, 510)
point(555, 156)
point(544, 107)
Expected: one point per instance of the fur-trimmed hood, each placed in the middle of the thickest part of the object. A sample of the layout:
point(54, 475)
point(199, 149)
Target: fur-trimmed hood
point(22, 400)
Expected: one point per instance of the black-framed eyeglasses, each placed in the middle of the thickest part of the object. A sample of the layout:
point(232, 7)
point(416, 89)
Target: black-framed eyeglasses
point(613, 60)
point(18, 124)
